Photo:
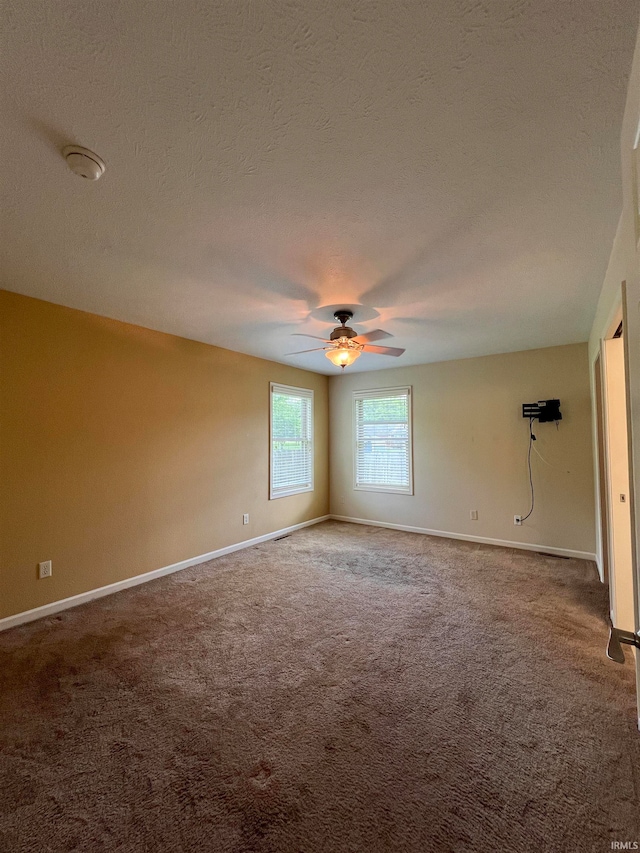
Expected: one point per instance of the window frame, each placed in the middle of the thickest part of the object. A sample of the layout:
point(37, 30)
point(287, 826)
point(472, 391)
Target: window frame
point(278, 387)
point(376, 393)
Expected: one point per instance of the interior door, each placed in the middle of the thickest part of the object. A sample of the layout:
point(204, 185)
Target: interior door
point(631, 322)
point(631, 357)
point(621, 586)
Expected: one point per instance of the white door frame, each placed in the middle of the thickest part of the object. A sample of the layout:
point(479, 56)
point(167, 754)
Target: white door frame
point(603, 533)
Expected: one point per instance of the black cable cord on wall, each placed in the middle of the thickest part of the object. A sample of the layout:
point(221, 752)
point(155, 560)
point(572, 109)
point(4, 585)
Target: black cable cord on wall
point(532, 438)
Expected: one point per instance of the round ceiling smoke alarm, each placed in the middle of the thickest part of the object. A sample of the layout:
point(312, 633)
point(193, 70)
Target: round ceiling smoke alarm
point(83, 162)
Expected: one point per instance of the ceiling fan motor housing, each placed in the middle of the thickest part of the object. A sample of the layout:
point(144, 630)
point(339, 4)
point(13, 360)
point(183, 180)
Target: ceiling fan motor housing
point(342, 331)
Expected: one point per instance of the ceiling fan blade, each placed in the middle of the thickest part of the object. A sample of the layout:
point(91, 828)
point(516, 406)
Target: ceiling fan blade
point(315, 349)
point(395, 351)
point(303, 335)
point(375, 335)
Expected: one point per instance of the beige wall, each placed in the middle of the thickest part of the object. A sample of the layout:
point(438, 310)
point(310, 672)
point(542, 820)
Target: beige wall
point(124, 450)
point(470, 444)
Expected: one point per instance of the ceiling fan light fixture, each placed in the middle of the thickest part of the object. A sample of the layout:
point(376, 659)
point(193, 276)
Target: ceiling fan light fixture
point(345, 344)
point(343, 356)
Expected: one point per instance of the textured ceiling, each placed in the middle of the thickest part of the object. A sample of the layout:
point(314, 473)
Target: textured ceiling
point(452, 165)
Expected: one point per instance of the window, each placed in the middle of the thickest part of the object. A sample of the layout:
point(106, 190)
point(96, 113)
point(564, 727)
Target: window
point(383, 440)
point(291, 440)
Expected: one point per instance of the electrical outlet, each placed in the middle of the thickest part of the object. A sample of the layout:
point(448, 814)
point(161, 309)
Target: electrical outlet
point(473, 515)
point(245, 518)
point(44, 569)
point(517, 520)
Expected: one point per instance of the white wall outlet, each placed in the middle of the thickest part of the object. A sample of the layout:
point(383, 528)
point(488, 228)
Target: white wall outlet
point(473, 515)
point(44, 569)
point(517, 520)
point(245, 518)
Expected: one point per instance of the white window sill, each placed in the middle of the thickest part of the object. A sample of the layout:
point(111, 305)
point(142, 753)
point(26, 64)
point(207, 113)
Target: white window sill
point(275, 495)
point(384, 489)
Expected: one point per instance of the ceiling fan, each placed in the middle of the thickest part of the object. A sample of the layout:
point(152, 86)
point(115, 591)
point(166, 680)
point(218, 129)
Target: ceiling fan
point(346, 345)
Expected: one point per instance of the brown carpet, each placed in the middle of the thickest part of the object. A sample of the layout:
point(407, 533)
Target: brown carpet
point(347, 688)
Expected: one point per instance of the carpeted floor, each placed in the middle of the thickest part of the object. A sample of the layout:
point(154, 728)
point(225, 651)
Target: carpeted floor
point(346, 688)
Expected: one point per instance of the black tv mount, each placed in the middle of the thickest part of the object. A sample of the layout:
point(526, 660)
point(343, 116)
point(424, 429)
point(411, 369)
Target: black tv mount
point(544, 411)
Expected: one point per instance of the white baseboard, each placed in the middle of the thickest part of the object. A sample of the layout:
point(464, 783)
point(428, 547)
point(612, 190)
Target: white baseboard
point(483, 540)
point(100, 592)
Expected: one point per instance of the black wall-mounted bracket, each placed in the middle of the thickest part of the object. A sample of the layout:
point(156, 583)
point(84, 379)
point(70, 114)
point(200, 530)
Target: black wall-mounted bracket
point(544, 411)
point(530, 410)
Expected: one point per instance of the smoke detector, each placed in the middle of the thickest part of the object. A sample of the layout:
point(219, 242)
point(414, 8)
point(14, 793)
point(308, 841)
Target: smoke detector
point(83, 162)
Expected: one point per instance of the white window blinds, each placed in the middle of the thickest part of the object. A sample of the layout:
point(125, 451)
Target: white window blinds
point(291, 440)
point(383, 440)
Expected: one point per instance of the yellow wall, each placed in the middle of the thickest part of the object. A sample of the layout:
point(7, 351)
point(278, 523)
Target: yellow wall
point(124, 450)
point(470, 443)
